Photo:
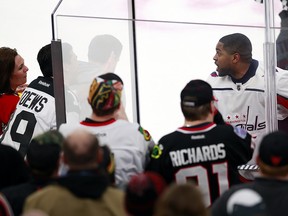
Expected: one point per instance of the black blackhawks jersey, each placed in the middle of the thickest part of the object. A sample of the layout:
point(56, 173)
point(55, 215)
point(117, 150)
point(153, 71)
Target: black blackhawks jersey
point(207, 154)
point(238, 199)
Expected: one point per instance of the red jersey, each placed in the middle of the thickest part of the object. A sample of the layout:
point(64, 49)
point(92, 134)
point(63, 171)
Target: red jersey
point(8, 104)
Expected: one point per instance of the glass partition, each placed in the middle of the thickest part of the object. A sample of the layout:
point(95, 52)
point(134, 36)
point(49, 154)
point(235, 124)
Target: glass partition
point(79, 70)
point(165, 44)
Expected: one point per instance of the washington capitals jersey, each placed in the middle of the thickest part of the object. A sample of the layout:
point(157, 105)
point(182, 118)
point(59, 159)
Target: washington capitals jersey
point(207, 154)
point(34, 114)
point(242, 102)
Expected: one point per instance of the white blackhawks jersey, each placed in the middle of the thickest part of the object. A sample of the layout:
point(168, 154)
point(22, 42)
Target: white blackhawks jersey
point(242, 102)
point(129, 143)
point(34, 114)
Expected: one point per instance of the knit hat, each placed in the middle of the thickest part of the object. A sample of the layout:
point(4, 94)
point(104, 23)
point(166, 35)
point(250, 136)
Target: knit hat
point(142, 192)
point(105, 92)
point(273, 150)
point(44, 151)
point(196, 93)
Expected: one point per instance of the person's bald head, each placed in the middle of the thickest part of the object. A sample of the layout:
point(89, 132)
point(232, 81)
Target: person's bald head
point(81, 150)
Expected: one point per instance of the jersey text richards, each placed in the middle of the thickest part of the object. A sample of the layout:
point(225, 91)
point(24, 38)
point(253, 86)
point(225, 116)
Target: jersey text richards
point(198, 154)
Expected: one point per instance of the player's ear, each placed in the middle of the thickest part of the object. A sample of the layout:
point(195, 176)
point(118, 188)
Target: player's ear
point(236, 57)
point(212, 107)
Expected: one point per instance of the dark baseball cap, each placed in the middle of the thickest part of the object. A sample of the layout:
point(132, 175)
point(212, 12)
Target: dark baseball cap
point(196, 93)
point(105, 92)
point(273, 150)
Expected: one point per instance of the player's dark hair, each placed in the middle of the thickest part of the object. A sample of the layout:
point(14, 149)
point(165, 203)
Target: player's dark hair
point(44, 59)
point(7, 64)
point(100, 112)
point(101, 47)
point(196, 113)
point(238, 43)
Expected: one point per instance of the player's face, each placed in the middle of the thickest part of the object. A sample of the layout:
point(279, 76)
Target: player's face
point(19, 75)
point(223, 60)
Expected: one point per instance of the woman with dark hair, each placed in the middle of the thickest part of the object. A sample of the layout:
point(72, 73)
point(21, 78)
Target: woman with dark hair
point(13, 76)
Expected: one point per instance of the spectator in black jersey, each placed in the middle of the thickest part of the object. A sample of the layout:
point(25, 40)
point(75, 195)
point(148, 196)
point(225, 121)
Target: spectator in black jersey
point(43, 157)
point(271, 185)
point(245, 201)
point(200, 150)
